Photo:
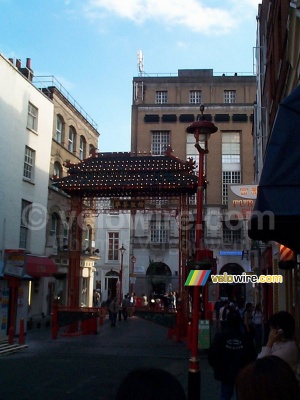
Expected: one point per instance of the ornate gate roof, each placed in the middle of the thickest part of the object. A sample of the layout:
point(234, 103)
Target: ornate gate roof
point(128, 174)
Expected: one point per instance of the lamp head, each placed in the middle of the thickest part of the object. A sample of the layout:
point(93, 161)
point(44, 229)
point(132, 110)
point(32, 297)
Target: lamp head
point(201, 129)
point(122, 249)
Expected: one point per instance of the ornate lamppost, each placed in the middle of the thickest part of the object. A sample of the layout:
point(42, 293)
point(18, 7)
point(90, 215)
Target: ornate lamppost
point(132, 277)
point(122, 251)
point(201, 129)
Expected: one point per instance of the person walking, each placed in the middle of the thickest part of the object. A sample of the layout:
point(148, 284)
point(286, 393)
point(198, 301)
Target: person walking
point(217, 308)
point(258, 326)
point(229, 352)
point(224, 310)
point(248, 320)
point(113, 308)
point(125, 305)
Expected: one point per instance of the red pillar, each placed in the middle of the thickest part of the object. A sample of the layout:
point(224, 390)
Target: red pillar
point(14, 283)
point(75, 248)
point(194, 378)
point(183, 301)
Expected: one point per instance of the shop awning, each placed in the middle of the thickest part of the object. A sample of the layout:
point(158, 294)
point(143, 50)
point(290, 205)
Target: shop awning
point(276, 213)
point(40, 266)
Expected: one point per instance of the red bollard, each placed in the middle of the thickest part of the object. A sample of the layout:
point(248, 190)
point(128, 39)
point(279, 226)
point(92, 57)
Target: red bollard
point(21, 334)
point(170, 333)
point(84, 327)
point(94, 327)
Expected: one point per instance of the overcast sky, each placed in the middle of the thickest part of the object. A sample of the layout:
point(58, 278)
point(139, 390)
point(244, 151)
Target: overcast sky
point(91, 47)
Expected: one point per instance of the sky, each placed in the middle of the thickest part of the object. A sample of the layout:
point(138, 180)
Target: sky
point(91, 47)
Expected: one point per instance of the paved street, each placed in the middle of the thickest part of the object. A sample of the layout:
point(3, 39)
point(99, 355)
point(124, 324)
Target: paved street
point(91, 366)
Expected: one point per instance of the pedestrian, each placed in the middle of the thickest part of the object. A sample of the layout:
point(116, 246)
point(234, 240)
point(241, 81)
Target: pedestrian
point(217, 307)
point(248, 320)
point(132, 299)
point(144, 300)
point(258, 326)
point(281, 341)
point(224, 310)
point(150, 384)
point(125, 305)
point(229, 352)
point(107, 304)
point(267, 378)
point(96, 298)
point(113, 308)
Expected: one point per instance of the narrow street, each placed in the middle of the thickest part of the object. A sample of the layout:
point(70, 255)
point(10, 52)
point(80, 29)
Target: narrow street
point(92, 366)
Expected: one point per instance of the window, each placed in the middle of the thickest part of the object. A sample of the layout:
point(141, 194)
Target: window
point(227, 178)
point(28, 172)
point(57, 170)
point(82, 148)
point(229, 96)
point(160, 142)
point(161, 97)
point(25, 224)
point(233, 235)
point(66, 234)
point(54, 224)
point(230, 147)
point(151, 118)
point(88, 238)
point(195, 96)
point(32, 117)
point(113, 246)
point(71, 140)
point(159, 232)
point(59, 129)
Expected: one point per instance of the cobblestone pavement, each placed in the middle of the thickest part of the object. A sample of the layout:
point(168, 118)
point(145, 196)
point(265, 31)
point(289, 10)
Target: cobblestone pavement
point(92, 366)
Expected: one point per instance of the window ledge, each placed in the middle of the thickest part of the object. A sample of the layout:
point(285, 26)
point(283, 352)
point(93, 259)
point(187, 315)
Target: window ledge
point(28, 181)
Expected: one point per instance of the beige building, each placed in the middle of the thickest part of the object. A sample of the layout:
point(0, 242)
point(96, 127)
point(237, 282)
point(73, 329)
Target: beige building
point(162, 109)
point(74, 138)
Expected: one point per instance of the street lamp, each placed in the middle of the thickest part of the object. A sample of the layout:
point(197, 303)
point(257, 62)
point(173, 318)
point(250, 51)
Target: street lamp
point(132, 277)
point(201, 129)
point(122, 251)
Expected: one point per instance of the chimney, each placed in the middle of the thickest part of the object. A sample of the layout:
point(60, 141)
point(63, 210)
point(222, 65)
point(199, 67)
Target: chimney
point(11, 60)
point(26, 71)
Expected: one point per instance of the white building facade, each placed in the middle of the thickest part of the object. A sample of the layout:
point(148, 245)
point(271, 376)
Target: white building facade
point(26, 132)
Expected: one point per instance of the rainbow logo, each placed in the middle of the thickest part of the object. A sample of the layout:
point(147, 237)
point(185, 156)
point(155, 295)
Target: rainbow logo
point(197, 277)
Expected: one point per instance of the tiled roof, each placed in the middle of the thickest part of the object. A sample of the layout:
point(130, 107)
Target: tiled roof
point(127, 174)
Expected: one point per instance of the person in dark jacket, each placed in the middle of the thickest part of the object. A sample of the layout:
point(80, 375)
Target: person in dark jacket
point(229, 352)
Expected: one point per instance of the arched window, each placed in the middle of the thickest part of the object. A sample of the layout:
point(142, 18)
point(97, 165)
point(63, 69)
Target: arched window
point(88, 238)
point(82, 148)
point(57, 169)
point(59, 129)
point(72, 139)
point(54, 225)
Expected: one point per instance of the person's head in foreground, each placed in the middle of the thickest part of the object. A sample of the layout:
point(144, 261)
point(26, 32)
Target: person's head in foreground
point(267, 378)
point(150, 384)
point(284, 322)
